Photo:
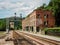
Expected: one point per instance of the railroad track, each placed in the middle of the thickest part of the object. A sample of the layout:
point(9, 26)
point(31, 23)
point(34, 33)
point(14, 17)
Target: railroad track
point(21, 40)
point(40, 40)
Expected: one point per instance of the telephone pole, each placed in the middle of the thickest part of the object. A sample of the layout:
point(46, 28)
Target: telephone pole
point(7, 25)
point(21, 20)
point(15, 21)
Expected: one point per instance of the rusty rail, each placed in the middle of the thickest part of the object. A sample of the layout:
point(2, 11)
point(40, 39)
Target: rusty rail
point(38, 39)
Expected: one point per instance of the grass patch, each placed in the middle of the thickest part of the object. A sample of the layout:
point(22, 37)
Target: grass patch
point(2, 33)
point(53, 31)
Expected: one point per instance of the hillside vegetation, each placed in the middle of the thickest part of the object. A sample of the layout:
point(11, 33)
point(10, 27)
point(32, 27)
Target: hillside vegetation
point(3, 23)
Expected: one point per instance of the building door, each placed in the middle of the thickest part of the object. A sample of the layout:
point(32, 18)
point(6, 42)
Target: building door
point(37, 29)
point(27, 28)
point(32, 28)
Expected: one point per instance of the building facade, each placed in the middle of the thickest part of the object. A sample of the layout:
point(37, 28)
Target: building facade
point(13, 23)
point(37, 20)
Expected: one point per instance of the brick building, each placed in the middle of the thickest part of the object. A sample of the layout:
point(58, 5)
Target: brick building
point(37, 20)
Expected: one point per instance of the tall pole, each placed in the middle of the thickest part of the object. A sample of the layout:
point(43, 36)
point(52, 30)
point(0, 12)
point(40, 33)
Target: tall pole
point(15, 15)
point(7, 25)
point(21, 20)
point(21, 17)
point(15, 21)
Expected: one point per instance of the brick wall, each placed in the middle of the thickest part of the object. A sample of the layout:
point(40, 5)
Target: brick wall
point(38, 18)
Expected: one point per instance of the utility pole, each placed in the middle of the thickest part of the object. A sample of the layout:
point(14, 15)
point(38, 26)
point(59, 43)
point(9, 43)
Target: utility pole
point(7, 25)
point(15, 21)
point(21, 16)
point(21, 20)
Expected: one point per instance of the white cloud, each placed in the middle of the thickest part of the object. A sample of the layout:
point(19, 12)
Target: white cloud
point(9, 5)
point(24, 6)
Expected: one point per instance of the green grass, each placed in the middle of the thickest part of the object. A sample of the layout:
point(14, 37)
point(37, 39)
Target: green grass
point(2, 33)
point(53, 31)
point(53, 36)
point(58, 28)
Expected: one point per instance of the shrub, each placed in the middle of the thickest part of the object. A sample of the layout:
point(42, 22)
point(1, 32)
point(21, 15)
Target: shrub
point(52, 31)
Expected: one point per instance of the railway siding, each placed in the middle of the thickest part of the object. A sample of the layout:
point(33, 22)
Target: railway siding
point(42, 40)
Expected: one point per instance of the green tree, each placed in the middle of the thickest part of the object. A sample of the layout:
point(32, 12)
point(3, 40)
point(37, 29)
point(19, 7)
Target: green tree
point(54, 5)
point(2, 24)
point(41, 7)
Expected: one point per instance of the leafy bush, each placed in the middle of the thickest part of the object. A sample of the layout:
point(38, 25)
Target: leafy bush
point(52, 31)
point(2, 24)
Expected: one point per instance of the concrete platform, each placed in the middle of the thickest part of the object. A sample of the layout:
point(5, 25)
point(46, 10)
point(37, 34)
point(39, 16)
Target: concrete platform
point(45, 36)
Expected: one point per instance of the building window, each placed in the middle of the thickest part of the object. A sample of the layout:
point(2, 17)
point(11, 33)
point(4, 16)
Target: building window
point(38, 15)
point(45, 23)
point(27, 28)
point(37, 29)
point(32, 28)
point(46, 16)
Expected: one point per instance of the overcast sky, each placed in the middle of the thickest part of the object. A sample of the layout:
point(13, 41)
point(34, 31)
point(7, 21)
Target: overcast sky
point(9, 7)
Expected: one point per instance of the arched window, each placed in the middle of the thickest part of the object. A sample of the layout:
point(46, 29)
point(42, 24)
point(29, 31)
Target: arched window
point(46, 23)
point(38, 15)
point(46, 16)
point(37, 29)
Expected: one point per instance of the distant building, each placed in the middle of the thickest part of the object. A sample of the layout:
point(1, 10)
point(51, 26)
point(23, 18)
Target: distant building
point(14, 23)
point(11, 23)
point(37, 20)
